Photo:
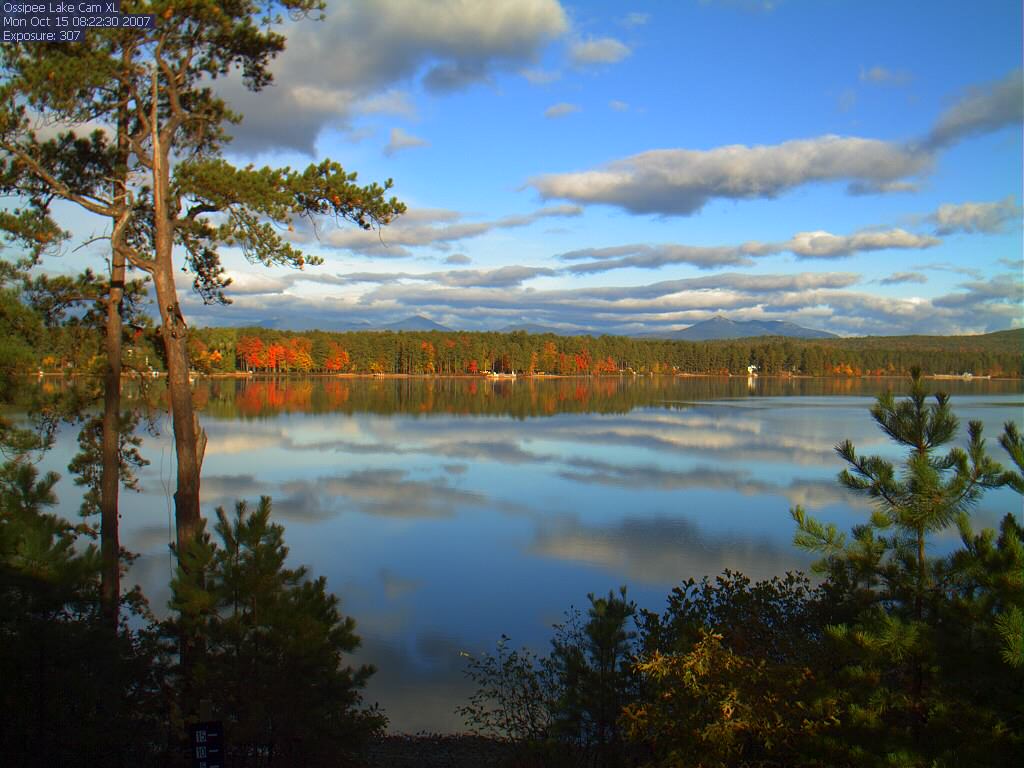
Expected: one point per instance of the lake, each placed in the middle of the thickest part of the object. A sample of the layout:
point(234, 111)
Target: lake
point(447, 512)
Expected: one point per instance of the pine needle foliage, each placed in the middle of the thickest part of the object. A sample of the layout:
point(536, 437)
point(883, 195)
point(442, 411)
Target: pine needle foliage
point(922, 657)
point(272, 646)
point(73, 694)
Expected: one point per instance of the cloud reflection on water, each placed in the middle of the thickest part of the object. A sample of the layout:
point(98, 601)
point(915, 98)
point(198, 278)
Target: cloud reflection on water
point(441, 530)
point(663, 550)
point(378, 492)
point(803, 492)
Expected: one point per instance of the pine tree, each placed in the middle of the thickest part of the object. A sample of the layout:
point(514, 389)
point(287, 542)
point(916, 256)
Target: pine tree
point(274, 642)
point(897, 652)
point(72, 695)
point(151, 89)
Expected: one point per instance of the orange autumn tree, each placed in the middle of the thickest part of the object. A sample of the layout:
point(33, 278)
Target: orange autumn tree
point(251, 352)
point(337, 358)
point(275, 355)
point(299, 354)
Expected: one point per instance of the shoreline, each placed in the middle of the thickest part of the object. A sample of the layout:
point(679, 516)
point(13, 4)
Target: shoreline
point(262, 376)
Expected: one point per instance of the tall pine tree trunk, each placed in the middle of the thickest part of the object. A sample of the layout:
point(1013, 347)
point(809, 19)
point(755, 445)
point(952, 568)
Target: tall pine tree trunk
point(110, 449)
point(110, 586)
point(174, 333)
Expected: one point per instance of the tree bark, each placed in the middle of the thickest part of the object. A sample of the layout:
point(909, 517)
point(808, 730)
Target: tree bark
point(110, 449)
point(174, 334)
point(110, 582)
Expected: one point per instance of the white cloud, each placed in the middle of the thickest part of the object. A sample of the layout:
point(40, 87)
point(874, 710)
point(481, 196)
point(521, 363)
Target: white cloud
point(1001, 289)
point(679, 182)
point(602, 50)
point(471, 299)
point(503, 277)
point(655, 256)
point(364, 47)
point(881, 187)
point(805, 245)
point(824, 245)
point(986, 218)
point(257, 283)
point(682, 181)
point(898, 278)
point(393, 102)
point(432, 227)
point(562, 109)
point(618, 106)
point(982, 109)
point(401, 140)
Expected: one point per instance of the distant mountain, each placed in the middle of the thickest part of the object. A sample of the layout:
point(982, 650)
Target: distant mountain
point(719, 327)
point(415, 323)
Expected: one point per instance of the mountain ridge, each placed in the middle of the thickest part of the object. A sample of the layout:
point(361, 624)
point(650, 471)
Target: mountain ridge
point(720, 327)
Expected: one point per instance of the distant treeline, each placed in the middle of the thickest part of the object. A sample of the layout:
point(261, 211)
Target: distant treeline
point(226, 350)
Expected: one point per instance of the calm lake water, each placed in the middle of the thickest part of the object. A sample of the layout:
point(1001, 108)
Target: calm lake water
point(445, 513)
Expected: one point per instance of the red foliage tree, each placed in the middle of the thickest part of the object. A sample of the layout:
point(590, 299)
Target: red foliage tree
point(337, 358)
point(250, 350)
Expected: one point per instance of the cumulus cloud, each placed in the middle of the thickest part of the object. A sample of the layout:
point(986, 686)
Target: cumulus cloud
point(804, 245)
point(254, 283)
point(401, 140)
point(502, 277)
point(561, 109)
point(681, 181)
point(898, 278)
point(819, 300)
point(1002, 289)
point(982, 110)
point(333, 69)
point(601, 50)
point(881, 188)
point(391, 102)
point(823, 245)
point(985, 218)
point(618, 106)
point(655, 256)
point(458, 258)
point(879, 75)
point(714, 293)
point(435, 228)
point(954, 268)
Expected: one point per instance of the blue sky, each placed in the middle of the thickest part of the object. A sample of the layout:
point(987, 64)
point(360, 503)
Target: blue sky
point(635, 167)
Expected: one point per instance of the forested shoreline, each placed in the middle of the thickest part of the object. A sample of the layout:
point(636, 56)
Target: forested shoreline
point(438, 353)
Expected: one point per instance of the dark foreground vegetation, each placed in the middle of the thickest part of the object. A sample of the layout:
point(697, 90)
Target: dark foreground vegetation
point(264, 644)
point(896, 657)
